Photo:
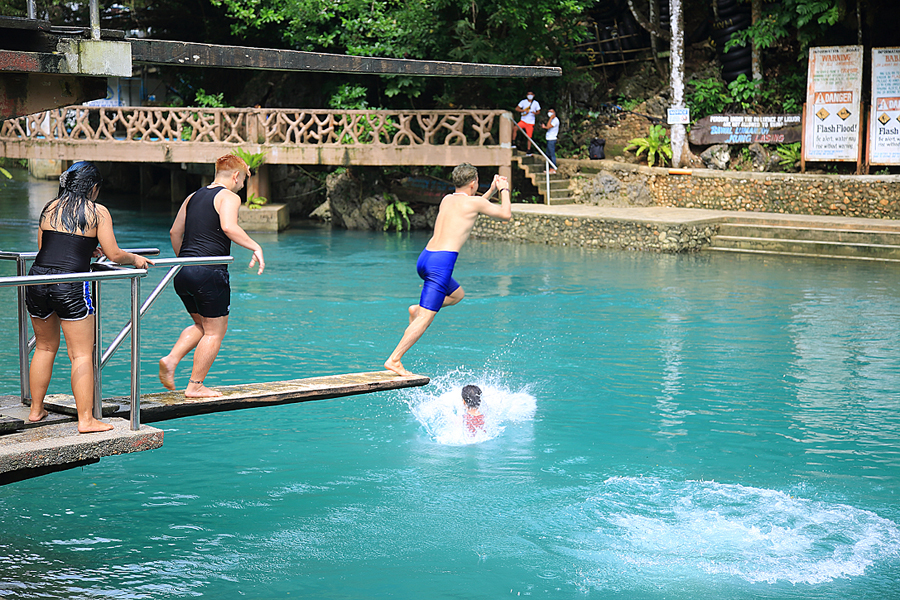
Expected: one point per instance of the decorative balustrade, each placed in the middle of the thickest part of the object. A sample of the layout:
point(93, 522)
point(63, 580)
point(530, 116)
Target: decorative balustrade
point(269, 127)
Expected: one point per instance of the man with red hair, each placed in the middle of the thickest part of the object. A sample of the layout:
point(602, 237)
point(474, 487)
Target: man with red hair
point(205, 225)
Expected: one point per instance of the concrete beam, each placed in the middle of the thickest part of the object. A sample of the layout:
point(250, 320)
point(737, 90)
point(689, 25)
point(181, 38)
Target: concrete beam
point(313, 154)
point(27, 93)
point(190, 54)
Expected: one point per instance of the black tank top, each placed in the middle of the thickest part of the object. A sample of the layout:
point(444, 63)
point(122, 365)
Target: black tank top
point(203, 235)
point(66, 251)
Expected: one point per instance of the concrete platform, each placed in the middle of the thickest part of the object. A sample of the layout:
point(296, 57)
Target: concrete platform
point(669, 215)
point(58, 446)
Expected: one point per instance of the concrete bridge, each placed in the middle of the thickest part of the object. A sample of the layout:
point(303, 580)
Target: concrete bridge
point(287, 136)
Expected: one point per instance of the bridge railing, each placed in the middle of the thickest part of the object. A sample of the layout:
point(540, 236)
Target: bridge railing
point(272, 127)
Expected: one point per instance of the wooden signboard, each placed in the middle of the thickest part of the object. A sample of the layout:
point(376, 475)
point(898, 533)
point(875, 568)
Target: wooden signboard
point(884, 122)
point(833, 106)
point(746, 129)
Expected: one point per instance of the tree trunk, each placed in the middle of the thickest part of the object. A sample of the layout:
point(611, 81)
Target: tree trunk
point(676, 58)
point(645, 24)
point(756, 15)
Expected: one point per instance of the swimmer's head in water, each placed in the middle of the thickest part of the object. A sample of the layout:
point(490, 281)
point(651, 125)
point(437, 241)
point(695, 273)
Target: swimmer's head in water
point(471, 396)
point(463, 175)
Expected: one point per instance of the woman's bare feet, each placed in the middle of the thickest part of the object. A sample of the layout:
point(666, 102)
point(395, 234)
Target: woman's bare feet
point(397, 367)
point(37, 414)
point(167, 373)
point(93, 426)
point(198, 390)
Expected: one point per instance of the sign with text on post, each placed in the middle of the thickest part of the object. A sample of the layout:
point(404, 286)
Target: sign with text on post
point(833, 86)
point(678, 116)
point(884, 120)
point(746, 129)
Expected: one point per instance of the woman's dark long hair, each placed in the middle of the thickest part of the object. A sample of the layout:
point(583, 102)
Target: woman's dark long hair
point(74, 210)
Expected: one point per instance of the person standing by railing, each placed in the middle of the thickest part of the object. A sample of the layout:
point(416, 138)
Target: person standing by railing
point(205, 225)
point(552, 127)
point(69, 229)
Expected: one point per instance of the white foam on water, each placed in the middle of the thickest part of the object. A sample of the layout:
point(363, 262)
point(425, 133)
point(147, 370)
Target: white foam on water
point(699, 528)
point(439, 408)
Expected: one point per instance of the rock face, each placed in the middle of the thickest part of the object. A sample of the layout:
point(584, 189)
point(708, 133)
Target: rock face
point(353, 205)
point(716, 157)
point(357, 199)
point(605, 189)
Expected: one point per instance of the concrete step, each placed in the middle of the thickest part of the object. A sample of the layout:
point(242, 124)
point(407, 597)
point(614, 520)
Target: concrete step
point(794, 232)
point(824, 248)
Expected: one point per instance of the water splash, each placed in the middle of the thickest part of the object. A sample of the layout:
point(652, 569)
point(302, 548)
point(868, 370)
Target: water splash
point(439, 407)
point(655, 528)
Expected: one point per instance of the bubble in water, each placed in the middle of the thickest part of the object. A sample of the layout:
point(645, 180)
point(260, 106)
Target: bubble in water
point(440, 410)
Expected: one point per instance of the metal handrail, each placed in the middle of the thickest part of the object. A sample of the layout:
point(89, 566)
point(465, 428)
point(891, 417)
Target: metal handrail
point(27, 345)
point(546, 158)
point(135, 275)
point(111, 271)
point(176, 264)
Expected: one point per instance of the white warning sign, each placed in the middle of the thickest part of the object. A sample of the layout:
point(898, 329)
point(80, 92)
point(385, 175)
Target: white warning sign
point(833, 86)
point(884, 128)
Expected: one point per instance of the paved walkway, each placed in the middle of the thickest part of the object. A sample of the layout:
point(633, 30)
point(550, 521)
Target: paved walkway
point(681, 216)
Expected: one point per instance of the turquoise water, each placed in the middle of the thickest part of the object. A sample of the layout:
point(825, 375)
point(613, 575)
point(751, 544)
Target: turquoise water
point(658, 427)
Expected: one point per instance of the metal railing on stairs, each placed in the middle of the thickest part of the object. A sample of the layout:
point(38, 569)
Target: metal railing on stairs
point(547, 162)
point(102, 270)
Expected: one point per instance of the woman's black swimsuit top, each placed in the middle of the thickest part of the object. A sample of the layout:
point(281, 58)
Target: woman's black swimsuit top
point(203, 235)
point(66, 251)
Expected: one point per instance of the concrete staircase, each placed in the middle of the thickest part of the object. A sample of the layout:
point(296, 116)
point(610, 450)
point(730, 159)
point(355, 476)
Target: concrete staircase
point(869, 240)
point(534, 167)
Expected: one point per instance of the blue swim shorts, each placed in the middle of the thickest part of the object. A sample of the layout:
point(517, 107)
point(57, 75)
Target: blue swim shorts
point(436, 269)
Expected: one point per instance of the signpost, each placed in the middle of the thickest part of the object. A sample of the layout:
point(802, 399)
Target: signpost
point(833, 104)
point(884, 122)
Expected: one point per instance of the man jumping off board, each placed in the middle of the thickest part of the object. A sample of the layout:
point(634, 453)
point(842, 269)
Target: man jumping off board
point(456, 217)
point(206, 224)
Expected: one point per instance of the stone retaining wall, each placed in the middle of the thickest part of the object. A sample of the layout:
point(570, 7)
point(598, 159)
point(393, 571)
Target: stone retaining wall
point(596, 233)
point(611, 183)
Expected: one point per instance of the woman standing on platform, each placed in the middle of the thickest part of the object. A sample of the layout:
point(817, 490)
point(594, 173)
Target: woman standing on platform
point(69, 229)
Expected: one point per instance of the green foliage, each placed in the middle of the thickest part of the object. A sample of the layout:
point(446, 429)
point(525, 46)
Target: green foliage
point(748, 92)
point(539, 32)
point(656, 144)
point(629, 103)
point(349, 97)
point(253, 160)
point(187, 132)
point(254, 201)
point(707, 97)
point(789, 154)
point(396, 214)
point(809, 20)
point(209, 100)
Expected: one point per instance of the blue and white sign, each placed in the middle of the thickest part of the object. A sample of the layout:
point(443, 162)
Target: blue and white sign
point(678, 116)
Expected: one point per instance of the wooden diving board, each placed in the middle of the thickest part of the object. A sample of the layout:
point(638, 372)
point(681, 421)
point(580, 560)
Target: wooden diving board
point(54, 444)
point(163, 406)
